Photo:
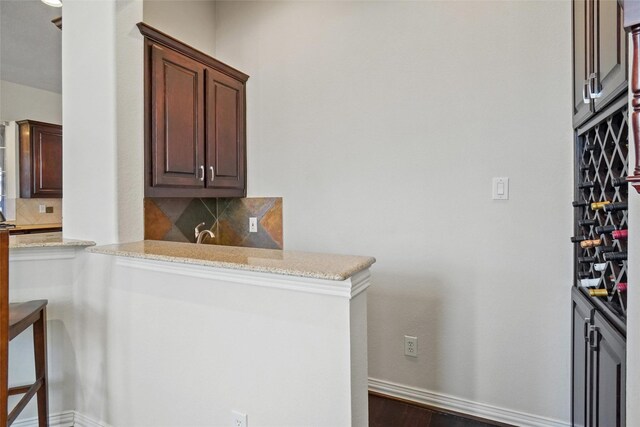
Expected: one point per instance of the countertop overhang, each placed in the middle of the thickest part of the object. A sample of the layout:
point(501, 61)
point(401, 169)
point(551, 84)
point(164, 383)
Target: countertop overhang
point(290, 263)
point(42, 240)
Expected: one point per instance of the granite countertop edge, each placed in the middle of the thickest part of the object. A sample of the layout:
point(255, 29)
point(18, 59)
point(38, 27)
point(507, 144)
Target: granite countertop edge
point(309, 272)
point(46, 240)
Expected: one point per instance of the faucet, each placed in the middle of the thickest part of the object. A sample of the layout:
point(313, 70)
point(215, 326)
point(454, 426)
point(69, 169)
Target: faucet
point(201, 234)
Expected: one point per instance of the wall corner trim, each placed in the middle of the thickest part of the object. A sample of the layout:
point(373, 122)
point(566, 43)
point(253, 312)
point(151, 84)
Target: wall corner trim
point(463, 406)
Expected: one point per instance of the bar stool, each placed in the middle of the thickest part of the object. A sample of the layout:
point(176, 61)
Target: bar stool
point(15, 319)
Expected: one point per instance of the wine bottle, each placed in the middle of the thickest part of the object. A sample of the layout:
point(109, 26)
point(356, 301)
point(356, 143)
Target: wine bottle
point(620, 234)
point(590, 147)
point(598, 292)
point(617, 182)
point(587, 260)
point(586, 184)
point(584, 275)
point(622, 287)
point(586, 222)
point(601, 266)
point(605, 249)
point(615, 256)
point(611, 207)
point(590, 243)
point(579, 203)
point(589, 283)
point(606, 229)
point(576, 239)
point(599, 205)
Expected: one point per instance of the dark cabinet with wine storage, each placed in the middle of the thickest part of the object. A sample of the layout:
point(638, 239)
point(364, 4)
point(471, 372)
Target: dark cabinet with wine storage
point(599, 293)
point(601, 188)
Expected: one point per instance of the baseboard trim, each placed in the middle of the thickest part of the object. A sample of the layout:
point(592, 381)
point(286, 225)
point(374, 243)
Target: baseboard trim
point(62, 419)
point(81, 420)
point(463, 406)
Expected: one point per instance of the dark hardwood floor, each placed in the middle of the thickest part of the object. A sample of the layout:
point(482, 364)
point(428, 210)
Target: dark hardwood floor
point(387, 412)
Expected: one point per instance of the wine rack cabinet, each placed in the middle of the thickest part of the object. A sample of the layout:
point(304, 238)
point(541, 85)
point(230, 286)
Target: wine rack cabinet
point(601, 168)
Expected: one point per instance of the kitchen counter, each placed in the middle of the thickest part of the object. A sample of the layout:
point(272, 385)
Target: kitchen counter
point(290, 263)
point(33, 227)
point(44, 240)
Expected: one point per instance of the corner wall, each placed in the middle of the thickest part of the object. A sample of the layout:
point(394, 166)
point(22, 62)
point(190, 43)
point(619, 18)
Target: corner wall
point(381, 124)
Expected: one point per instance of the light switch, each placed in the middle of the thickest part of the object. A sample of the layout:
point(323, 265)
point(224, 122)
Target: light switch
point(500, 188)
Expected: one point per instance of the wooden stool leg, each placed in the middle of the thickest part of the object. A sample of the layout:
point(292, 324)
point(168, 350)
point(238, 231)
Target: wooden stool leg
point(4, 377)
point(40, 352)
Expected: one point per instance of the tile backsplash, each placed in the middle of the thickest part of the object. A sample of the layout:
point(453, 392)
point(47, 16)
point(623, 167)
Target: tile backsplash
point(28, 211)
point(174, 219)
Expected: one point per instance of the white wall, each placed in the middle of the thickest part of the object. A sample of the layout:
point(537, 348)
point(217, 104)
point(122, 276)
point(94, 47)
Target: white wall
point(102, 101)
point(190, 21)
point(381, 124)
point(20, 102)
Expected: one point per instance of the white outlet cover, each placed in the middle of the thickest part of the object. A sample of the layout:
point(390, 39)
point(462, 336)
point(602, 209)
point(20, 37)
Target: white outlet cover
point(238, 419)
point(410, 346)
point(253, 224)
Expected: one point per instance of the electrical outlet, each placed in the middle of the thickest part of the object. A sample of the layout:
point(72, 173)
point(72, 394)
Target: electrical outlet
point(42, 208)
point(410, 346)
point(238, 419)
point(253, 224)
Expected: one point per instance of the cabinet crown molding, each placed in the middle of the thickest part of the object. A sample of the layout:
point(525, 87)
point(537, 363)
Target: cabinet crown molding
point(166, 40)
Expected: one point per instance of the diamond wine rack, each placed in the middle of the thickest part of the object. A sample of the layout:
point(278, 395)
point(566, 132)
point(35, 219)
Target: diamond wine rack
point(601, 169)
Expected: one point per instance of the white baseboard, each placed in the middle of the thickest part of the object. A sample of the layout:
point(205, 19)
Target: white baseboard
point(81, 420)
point(62, 419)
point(456, 404)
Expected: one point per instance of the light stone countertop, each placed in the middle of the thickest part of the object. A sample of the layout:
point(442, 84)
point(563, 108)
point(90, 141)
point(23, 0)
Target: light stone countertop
point(41, 240)
point(290, 263)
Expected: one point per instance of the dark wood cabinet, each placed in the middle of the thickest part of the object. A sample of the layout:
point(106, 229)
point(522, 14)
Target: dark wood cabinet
point(40, 155)
point(195, 143)
point(225, 131)
point(177, 119)
point(598, 367)
point(599, 56)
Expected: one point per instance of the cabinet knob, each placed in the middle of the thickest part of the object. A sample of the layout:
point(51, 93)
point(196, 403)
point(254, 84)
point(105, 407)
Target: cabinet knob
point(212, 172)
point(201, 172)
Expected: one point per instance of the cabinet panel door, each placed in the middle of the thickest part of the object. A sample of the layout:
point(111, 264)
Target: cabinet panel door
point(582, 312)
point(40, 160)
point(610, 51)
point(177, 120)
point(581, 60)
point(226, 160)
point(609, 367)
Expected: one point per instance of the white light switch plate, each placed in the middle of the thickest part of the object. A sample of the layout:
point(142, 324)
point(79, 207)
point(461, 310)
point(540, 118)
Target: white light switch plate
point(500, 188)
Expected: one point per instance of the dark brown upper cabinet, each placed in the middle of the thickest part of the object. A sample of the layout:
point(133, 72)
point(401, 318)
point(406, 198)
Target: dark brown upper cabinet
point(599, 56)
point(40, 159)
point(195, 143)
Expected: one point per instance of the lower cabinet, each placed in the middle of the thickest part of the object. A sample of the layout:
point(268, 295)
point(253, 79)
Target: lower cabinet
point(598, 367)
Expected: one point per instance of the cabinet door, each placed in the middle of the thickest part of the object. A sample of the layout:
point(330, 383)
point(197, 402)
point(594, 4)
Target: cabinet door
point(581, 59)
point(226, 160)
point(609, 372)
point(40, 160)
point(177, 120)
point(610, 51)
point(582, 312)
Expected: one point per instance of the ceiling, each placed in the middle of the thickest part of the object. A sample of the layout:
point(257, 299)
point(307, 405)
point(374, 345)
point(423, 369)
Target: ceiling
point(30, 45)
